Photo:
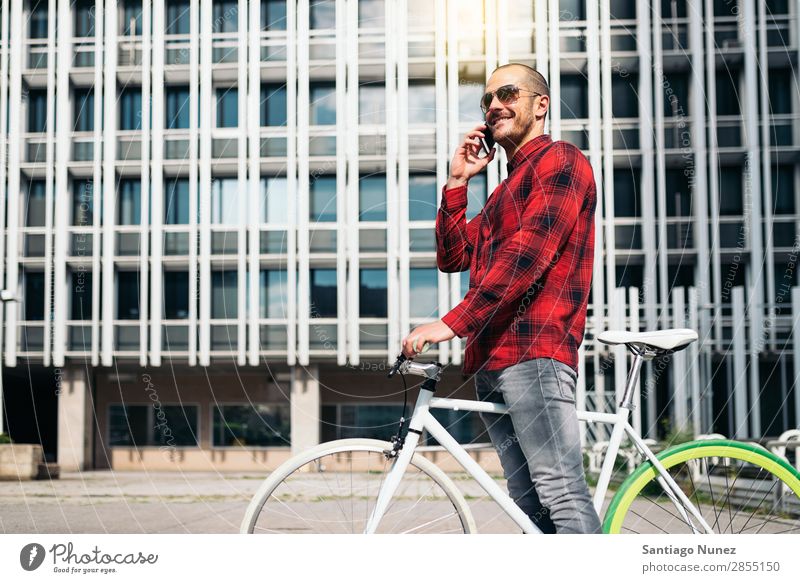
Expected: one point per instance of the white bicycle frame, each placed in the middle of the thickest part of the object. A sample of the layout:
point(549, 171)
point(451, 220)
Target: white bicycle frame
point(422, 419)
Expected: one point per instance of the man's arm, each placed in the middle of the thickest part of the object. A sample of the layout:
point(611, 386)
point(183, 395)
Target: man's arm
point(552, 210)
point(455, 237)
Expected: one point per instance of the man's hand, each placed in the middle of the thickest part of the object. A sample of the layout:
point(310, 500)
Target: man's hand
point(466, 163)
point(432, 333)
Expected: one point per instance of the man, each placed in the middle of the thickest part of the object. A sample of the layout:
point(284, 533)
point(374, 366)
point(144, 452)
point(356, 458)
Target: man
point(530, 254)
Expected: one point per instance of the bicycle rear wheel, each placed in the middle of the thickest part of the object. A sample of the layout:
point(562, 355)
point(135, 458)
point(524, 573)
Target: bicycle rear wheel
point(333, 487)
point(738, 488)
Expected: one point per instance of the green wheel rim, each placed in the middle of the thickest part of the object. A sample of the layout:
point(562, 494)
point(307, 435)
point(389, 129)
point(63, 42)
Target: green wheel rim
point(631, 487)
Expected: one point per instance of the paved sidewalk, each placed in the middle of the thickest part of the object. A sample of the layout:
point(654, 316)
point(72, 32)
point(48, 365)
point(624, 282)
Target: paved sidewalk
point(163, 502)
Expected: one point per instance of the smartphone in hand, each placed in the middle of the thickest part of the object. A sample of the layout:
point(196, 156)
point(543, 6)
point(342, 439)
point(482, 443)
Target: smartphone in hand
point(487, 142)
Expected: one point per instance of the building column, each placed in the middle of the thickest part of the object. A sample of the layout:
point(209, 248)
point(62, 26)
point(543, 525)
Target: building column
point(74, 420)
point(304, 407)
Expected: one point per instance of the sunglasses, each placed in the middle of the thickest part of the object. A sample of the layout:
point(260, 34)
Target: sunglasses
point(507, 94)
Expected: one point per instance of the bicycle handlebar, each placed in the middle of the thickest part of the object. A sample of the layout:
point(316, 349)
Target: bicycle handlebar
point(430, 370)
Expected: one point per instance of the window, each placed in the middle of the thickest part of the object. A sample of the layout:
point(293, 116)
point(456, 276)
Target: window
point(176, 295)
point(131, 24)
point(273, 14)
point(422, 197)
point(626, 99)
point(730, 191)
point(153, 425)
point(574, 97)
point(374, 421)
point(572, 10)
point(224, 301)
point(128, 295)
point(673, 8)
point(273, 105)
point(323, 293)
point(678, 193)
point(476, 195)
point(726, 8)
point(177, 108)
point(322, 14)
point(323, 199)
point(82, 203)
point(783, 190)
point(178, 17)
point(470, 91)
point(37, 24)
point(781, 88)
point(727, 92)
point(176, 201)
point(372, 293)
point(623, 9)
point(257, 425)
point(226, 16)
point(421, 102)
point(777, 7)
point(227, 107)
point(37, 111)
point(274, 294)
point(424, 294)
point(130, 108)
point(34, 295)
point(225, 201)
point(372, 198)
point(83, 110)
point(323, 104)
point(84, 18)
point(370, 13)
point(676, 94)
point(372, 103)
point(630, 276)
point(80, 307)
point(626, 192)
point(274, 200)
point(129, 202)
point(36, 206)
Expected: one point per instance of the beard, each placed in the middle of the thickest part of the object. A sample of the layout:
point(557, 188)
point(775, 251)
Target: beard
point(512, 132)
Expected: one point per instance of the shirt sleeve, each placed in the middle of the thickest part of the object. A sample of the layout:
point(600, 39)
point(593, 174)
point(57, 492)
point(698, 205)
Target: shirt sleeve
point(455, 237)
point(551, 212)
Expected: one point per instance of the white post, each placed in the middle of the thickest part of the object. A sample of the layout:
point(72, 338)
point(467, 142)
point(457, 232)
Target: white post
point(740, 430)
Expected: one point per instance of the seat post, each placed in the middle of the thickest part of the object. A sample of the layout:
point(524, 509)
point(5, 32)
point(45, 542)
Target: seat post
point(633, 377)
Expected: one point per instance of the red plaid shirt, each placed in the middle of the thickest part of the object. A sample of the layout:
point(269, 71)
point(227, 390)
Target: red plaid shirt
point(530, 253)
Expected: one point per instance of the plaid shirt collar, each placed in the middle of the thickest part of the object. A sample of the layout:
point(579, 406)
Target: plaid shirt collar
point(527, 150)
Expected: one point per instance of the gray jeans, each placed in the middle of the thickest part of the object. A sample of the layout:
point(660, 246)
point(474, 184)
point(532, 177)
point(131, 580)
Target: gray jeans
point(539, 444)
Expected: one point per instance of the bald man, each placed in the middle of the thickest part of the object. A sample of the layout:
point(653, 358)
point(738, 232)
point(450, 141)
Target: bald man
point(530, 254)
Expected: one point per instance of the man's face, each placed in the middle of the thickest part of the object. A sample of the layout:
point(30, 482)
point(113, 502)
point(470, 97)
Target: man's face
point(511, 123)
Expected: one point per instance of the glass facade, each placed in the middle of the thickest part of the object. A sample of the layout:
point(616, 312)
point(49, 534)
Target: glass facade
point(176, 295)
point(176, 201)
point(177, 107)
point(227, 107)
point(347, 238)
point(225, 196)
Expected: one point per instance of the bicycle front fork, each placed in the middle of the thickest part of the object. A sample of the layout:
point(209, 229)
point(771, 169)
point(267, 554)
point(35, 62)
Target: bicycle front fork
point(402, 451)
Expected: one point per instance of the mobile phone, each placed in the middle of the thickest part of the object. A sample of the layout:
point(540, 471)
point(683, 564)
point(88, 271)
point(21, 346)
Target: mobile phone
point(488, 141)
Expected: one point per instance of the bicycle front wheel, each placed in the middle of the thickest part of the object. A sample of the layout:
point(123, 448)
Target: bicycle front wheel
point(738, 488)
point(333, 488)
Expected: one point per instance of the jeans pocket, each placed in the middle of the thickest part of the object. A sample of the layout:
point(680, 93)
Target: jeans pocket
point(566, 378)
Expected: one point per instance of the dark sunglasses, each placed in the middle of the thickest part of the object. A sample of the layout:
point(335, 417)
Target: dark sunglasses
point(507, 94)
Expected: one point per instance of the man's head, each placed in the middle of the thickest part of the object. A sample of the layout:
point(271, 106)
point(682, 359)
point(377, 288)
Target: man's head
point(520, 116)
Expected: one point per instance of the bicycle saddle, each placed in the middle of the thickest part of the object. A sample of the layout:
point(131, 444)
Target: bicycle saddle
point(670, 340)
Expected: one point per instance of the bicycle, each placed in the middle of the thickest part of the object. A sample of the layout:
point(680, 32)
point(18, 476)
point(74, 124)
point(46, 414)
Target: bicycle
point(370, 486)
